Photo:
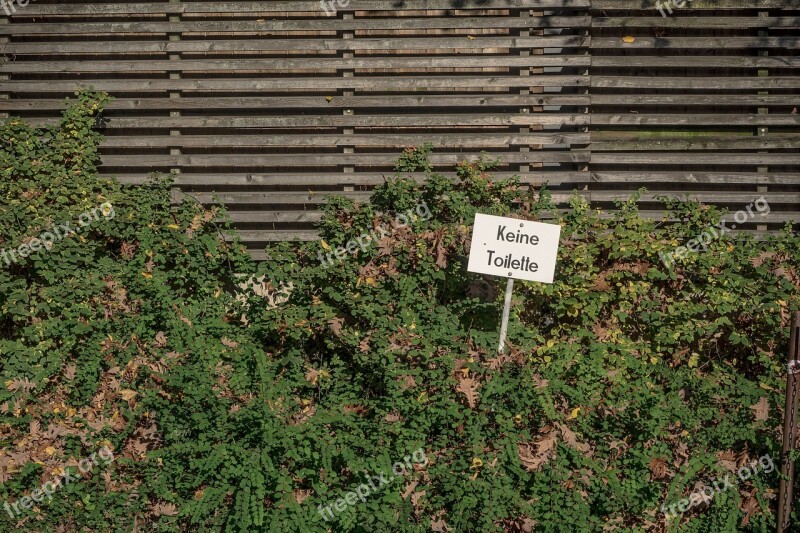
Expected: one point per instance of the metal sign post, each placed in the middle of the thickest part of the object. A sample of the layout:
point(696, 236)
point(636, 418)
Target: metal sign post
point(789, 426)
point(506, 311)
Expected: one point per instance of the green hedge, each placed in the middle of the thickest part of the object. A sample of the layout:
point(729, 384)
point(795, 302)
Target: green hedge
point(628, 383)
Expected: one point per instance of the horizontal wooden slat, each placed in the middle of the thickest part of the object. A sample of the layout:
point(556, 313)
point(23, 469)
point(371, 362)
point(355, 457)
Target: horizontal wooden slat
point(695, 119)
point(330, 64)
point(266, 27)
point(321, 160)
point(604, 141)
point(343, 121)
point(696, 83)
point(668, 158)
point(277, 6)
point(698, 4)
point(306, 102)
point(703, 43)
point(230, 46)
point(320, 84)
point(452, 140)
point(247, 200)
point(700, 22)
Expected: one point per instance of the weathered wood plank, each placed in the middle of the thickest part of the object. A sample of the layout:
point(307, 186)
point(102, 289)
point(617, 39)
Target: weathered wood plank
point(695, 119)
point(283, 64)
point(230, 46)
point(652, 179)
point(449, 140)
point(695, 82)
point(321, 85)
point(697, 159)
point(698, 4)
point(266, 27)
point(355, 121)
point(156, 161)
point(704, 62)
point(601, 142)
point(279, 6)
point(309, 102)
point(703, 43)
point(247, 200)
point(699, 22)
point(693, 100)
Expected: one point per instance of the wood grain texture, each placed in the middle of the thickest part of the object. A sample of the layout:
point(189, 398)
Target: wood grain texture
point(272, 107)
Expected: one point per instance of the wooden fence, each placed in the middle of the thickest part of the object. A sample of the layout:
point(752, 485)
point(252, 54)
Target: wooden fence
point(271, 106)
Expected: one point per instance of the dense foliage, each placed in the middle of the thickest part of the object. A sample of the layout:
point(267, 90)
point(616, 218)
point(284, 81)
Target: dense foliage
point(626, 386)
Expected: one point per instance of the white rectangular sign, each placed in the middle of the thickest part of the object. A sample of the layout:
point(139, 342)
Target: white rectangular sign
point(514, 248)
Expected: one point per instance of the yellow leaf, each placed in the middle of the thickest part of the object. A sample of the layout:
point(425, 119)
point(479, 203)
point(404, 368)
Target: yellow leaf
point(50, 450)
point(371, 281)
point(765, 386)
point(574, 413)
point(328, 99)
point(173, 226)
point(147, 275)
point(324, 244)
point(476, 462)
point(693, 360)
point(628, 39)
point(471, 37)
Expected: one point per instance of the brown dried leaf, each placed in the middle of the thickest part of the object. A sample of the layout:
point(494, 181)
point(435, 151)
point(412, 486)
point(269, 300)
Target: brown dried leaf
point(336, 325)
point(761, 409)
point(572, 440)
point(410, 486)
point(363, 346)
point(761, 259)
point(229, 343)
point(440, 526)
point(416, 497)
point(392, 417)
point(301, 494)
point(728, 460)
point(469, 388)
point(69, 372)
point(749, 507)
point(312, 376)
point(165, 509)
point(127, 250)
point(161, 340)
point(24, 384)
point(538, 454)
point(658, 468)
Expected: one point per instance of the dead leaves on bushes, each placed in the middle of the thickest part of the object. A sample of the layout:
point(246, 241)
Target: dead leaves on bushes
point(469, 388)
point(538, 453)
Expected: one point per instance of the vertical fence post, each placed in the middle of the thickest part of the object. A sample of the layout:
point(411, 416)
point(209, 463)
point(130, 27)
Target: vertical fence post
point(789, 426)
